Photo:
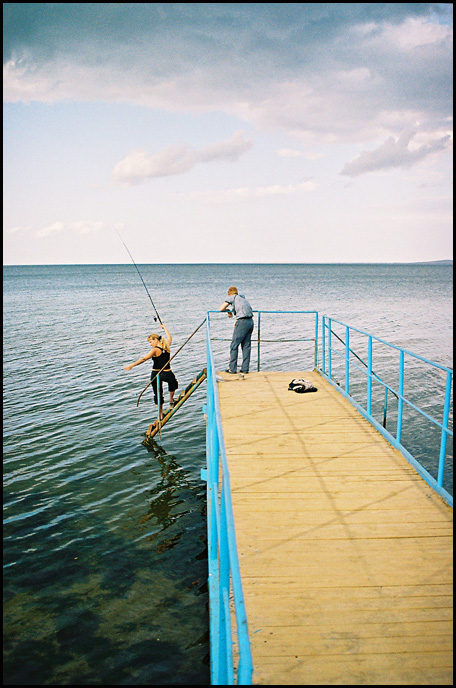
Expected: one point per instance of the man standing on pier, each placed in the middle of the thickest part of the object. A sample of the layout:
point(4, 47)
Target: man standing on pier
point(243, 329)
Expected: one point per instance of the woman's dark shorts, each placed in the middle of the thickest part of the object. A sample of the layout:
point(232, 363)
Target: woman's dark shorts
point(165, 376)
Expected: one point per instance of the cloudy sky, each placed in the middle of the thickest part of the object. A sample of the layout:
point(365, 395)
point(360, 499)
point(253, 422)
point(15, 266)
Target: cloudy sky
point(227, 132)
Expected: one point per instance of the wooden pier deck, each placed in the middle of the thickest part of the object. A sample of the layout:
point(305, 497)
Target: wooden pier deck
point(345, 552)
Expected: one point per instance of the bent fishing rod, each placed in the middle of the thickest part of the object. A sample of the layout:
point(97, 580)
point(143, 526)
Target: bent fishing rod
point(147, 291)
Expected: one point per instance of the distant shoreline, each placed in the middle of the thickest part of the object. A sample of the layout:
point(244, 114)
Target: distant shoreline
point(430, 262)
point(37, 265)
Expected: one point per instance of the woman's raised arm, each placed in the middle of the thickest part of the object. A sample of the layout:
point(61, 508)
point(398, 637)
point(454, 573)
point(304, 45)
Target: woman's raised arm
point(168, 336)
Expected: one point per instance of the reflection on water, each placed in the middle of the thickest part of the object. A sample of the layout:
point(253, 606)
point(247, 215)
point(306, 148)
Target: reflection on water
point(134, 613)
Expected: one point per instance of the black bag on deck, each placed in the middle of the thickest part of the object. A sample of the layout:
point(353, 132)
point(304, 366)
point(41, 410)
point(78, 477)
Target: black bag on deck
point(301, 386)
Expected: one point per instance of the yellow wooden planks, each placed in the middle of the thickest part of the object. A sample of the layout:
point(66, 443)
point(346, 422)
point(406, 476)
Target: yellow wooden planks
point(345, 553)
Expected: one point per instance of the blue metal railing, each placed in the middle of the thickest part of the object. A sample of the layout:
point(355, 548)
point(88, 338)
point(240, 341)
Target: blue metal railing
point(259, 340)
point(328, 352)
point(223, 563)
point(224, 574)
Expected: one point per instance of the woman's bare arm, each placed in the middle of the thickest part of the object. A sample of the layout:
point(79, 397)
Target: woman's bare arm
point(168, 336)
point(141, 360)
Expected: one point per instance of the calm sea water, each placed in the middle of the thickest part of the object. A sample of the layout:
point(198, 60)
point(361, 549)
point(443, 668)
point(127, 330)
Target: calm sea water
point(104, 539)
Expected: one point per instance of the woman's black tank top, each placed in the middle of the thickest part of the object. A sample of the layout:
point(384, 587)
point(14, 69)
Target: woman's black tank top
point(162, 360)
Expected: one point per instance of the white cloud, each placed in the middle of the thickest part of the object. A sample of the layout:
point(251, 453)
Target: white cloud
point(332, 72)
point(289, 153)
point(414, 33)
point(292, 153)
point(18, 230)
point(175, 159)
point(78, 227)
point(49, 230)
point(87, 226)
point(400, 152)
point(226, 150)
point(245, 193)
point(139, 165)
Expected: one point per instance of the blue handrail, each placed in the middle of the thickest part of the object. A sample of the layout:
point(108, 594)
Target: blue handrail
point(223, 563)
point(325, 341)
point(396, 441)
point(259, 339)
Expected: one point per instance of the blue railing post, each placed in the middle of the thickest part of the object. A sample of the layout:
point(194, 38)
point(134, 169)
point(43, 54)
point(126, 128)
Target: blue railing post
point(385, 406)
point(316, 341)
point(213, 573)
point(369, 376)
point(400, 406)
point(347, 359)
point(323, 344)
point(329, 349)
point(259, 338)
point(224, 636)
point(446, 415)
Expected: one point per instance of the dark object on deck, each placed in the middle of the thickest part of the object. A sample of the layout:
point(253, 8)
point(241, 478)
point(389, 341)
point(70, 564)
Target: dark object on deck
point(301, 386)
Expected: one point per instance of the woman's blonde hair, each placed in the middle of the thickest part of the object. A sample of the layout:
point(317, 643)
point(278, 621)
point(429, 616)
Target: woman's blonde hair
point(162, 342)
point(232, 290)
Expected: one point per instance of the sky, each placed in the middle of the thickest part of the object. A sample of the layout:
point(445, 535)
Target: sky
point(227, 132)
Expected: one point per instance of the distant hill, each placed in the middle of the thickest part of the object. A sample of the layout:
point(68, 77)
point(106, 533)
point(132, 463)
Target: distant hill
point(435, 262)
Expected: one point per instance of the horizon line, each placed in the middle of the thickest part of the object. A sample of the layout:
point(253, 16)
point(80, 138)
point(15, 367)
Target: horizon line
point(405, 262)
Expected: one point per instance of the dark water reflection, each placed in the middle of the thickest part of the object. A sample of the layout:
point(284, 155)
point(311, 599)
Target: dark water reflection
point(134, 614)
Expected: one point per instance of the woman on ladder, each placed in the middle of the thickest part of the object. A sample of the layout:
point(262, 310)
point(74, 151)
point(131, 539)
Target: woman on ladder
point(160, 353)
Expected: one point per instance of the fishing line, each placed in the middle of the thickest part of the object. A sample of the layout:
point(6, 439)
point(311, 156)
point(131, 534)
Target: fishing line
point(150, 298)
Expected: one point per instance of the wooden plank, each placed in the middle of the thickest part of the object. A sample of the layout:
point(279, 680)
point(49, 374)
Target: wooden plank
point(370, 669)
point(403, 497)
point(345, 552)
point(311, 517)
point(339, 531)
point(347, 640)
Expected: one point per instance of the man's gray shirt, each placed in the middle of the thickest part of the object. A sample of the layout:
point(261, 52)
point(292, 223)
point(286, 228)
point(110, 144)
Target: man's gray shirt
point(240, 306)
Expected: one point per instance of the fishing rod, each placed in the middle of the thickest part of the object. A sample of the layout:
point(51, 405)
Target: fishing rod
point(150, 298)
point(168, 363)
